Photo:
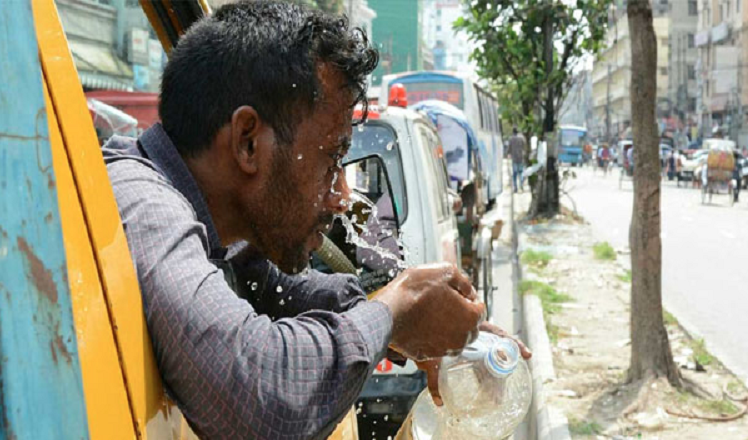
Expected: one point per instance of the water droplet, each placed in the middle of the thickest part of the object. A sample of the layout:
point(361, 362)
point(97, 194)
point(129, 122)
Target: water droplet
point(358, 411)
point(289, 297)
point(379, 400)
point(293, 85)
point(390, 146)
point(385, 419)
point(321, 147)
point(282, 302)
point(300, 156)
point(279, 289)
point(254, 286)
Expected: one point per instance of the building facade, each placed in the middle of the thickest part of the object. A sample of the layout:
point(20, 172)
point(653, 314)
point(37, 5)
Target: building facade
point(578, 106)
point(683, 90)
point(450, 49)
point(396, 32)
point(611, 73)
point(722, 84)
point(112, 44)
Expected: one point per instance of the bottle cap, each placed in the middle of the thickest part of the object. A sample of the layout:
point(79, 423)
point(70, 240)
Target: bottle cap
point(501, 360)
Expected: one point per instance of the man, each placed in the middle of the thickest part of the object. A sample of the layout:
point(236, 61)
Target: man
point(222, 204)
point(517, 151)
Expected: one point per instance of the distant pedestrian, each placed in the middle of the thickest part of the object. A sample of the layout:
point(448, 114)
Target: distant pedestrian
point(517, 150)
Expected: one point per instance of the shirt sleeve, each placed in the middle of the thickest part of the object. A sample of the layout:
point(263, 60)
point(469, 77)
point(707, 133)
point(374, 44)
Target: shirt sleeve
point(279, 295)
point(233, 372)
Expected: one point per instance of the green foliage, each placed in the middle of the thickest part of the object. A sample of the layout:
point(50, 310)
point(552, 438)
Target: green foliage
point(549, 297)
point(735, 387)
point(700, 353)
point(625, 277)
point(578, 427)
point(604, 251)
point(668, 318)
point(721, 407)
point(536, 259)
point(510, 50)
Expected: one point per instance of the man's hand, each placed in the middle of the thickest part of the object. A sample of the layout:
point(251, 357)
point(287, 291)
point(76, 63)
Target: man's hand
point(434, 311)
point(431, 367)
point(498, 331)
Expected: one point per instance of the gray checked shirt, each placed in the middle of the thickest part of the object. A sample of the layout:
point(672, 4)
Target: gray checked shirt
point(278, 356)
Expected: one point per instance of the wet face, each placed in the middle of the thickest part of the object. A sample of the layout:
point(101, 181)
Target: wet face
point(306, 186)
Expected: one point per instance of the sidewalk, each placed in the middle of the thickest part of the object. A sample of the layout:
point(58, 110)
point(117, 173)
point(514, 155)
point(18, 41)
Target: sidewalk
point(586, 303)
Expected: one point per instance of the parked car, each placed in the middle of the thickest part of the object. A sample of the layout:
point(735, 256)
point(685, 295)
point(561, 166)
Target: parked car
point(408, 144)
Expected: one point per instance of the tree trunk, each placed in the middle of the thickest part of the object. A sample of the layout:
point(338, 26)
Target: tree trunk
point(650, 348)
point(547, 205)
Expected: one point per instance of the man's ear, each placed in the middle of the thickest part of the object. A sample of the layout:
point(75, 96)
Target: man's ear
point(245, 129)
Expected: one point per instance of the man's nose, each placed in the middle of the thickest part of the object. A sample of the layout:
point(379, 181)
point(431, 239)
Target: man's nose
point(337, 200)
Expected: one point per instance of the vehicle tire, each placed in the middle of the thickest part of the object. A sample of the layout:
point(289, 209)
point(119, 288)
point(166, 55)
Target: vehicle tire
point(488, 285)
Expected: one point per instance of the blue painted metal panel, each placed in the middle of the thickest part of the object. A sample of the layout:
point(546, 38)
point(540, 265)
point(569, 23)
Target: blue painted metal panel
point(427, 77)
point(41, 391)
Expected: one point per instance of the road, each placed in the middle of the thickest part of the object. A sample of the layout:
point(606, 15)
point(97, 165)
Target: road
point(705, 256)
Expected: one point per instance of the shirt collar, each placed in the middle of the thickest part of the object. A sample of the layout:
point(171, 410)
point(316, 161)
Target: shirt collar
point(161, 151)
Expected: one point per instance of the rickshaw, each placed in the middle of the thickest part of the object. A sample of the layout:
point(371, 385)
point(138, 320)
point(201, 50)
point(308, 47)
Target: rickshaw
point(716, 173)
point(627, 166)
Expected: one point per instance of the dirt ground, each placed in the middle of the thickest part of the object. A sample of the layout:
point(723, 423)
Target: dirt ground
point(591, 347)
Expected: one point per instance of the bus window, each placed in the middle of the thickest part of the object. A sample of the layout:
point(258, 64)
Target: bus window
point(479, 95)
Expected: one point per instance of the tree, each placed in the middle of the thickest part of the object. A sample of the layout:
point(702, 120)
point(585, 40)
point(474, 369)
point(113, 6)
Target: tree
point(650, 348)
point(528, 50)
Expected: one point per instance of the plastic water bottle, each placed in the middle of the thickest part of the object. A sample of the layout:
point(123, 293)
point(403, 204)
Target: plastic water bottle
point(486, 389)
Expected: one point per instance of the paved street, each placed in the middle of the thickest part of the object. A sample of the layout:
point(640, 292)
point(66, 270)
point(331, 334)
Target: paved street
point(705, 256)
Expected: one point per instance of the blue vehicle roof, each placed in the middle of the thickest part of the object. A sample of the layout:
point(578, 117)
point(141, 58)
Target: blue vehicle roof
point(434, 108)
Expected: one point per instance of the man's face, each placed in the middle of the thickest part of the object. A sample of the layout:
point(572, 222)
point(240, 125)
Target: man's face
point(306, 186)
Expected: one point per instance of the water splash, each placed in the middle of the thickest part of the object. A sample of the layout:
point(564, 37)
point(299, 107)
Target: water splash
point(353, 237)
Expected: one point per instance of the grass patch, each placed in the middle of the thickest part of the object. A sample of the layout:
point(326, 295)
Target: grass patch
point(700, 353)
point(668, 318)
point(712, 407)
point(734, 387)
point(718, 406)
point(625, 277)
point(549, 297)
point(578, 427)
point(604, 251)
point(536, 259)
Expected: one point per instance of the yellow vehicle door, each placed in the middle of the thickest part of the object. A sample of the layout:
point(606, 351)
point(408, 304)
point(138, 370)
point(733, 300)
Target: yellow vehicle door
point(111, 356)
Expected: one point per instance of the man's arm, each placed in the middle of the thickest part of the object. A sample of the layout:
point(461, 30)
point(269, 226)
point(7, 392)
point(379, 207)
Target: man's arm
point(234, 373)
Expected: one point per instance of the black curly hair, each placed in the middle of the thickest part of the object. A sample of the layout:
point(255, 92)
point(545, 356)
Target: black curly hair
point(259, 53)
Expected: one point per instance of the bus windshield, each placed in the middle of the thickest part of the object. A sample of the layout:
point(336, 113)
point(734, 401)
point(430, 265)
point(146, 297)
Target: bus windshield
point(573, 138)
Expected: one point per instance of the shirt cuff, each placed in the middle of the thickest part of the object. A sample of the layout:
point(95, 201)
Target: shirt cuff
point(373, 320)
